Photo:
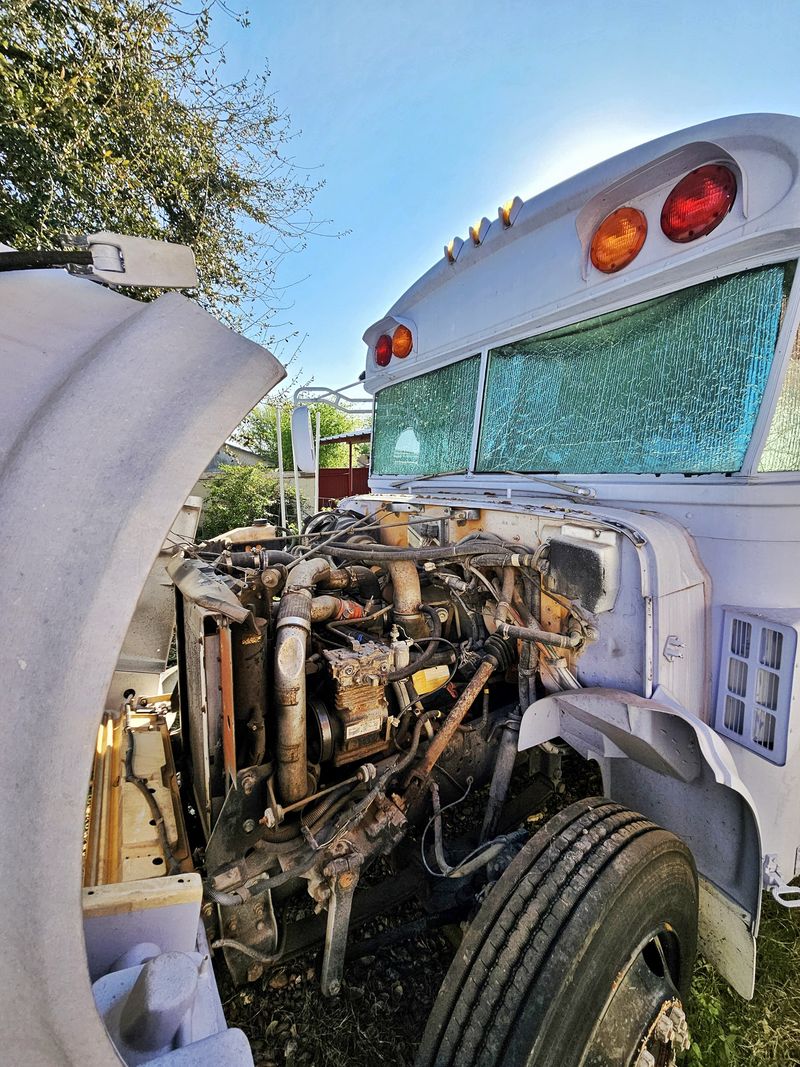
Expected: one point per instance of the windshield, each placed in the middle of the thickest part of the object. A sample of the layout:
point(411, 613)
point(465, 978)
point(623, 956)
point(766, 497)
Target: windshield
point(670, 385)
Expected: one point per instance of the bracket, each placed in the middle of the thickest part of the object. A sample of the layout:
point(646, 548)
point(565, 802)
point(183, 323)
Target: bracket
point(342, 876)
point(785, 894)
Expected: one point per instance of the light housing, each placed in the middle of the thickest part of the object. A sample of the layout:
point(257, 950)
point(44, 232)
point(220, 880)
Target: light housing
point(698, 203)
point(383, 350)
point(618, 239)
point(452, 249)
point(402, 342)
point(508, 212)
point(478, 232)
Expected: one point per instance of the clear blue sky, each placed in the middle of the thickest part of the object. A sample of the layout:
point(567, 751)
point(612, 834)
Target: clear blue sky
point(424, 115)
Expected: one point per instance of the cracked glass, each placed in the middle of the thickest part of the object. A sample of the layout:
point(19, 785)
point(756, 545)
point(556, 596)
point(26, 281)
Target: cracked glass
point(669, 385)
point(424, 425)
point(782, 448)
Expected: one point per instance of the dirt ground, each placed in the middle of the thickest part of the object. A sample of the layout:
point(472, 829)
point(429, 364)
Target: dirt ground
point(380, 1015)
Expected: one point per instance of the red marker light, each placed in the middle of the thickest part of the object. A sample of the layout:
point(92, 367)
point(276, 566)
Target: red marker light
point(383, 350)
point(698, 203)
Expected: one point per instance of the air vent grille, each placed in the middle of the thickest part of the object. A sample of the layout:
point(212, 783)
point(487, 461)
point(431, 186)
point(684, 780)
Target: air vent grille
point(756, 683)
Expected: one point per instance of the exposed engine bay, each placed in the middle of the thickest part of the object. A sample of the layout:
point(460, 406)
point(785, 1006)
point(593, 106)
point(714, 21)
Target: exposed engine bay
point(335, 693)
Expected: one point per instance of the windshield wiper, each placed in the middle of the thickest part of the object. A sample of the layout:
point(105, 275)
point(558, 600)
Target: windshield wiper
point(427, 477)
point(574, 490)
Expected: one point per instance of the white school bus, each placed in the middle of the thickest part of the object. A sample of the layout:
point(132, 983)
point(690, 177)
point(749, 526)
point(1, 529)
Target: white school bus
point(580, 544)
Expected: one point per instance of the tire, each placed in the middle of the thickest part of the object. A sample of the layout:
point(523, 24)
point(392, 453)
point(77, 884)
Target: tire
point(595, 905)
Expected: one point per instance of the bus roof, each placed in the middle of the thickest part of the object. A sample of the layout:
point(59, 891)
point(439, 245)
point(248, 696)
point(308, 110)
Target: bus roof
point(506, 281)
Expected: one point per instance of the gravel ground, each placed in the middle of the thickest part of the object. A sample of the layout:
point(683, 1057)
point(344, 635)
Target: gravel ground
point(380, 1015)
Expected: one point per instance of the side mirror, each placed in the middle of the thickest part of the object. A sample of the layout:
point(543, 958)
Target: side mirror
point(303, 440)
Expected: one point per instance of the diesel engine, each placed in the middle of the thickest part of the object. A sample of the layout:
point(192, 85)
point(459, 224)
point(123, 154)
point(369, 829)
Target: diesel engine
point(335, 692)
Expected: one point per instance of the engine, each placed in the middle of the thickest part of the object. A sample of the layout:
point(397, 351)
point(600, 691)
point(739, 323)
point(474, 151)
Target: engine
point(335, 691)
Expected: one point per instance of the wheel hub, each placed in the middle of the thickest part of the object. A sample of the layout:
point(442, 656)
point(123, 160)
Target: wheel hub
point(668, 1036)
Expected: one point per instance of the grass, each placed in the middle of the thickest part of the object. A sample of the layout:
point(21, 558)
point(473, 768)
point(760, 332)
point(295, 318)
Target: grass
point(765, 1032)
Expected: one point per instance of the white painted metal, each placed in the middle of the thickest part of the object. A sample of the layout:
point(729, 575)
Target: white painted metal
point(743, 530)
point(316, 464)
point(302, 440)
point(140, 261)
point(144, 653)
point(110, 410)
point(281, 482)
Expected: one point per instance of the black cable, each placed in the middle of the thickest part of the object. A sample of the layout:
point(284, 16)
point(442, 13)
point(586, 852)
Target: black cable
point(35, 260)
point(417, 665)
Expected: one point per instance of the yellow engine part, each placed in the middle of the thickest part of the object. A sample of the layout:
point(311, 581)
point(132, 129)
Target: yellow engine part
point(430, 678)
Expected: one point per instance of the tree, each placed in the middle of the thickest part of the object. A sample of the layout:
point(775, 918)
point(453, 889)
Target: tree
point(237, 495)
point(116, 115)
point(257, 432)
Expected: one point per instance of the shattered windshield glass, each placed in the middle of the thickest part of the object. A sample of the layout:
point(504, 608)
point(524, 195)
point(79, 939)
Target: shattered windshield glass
point(673, 384)
point(424, 425)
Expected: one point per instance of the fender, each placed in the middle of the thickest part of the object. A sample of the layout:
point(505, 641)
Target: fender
point(657, 758)
point(110, 410)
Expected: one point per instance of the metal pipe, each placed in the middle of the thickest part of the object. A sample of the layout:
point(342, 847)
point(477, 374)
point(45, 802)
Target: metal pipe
point(543, 637)
point(407, 597)
point(291, 647)
point(457, 713)
point(281, 471)
point(316, 466)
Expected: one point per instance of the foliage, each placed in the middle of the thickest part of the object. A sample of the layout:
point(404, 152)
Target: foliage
point(116, 115)
point(258, 433)
point(237, 495)
point(730, 1032)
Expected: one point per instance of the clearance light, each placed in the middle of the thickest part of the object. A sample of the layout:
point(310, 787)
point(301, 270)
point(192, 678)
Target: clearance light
point(451, 251)
point(509, 211)
point(479, 230)
point(618, 239)
point(383, 350)
point(698, 203)
point(402, 342)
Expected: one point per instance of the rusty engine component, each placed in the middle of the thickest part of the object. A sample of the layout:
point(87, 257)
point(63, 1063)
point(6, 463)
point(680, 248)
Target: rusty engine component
point(331, 687)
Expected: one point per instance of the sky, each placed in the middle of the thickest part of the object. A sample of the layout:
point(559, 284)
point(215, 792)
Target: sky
point(423, 115)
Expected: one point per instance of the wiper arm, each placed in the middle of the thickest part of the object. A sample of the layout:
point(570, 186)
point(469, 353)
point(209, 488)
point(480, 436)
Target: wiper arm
point(427, 477)
point(574, 490)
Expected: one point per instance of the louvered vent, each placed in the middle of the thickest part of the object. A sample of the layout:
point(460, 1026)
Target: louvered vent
point(756, 669)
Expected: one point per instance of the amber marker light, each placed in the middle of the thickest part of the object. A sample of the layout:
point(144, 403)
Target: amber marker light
point(451, 250)
point(402, 342)
point(479, 231)
point(618, 239)
point(509, 211)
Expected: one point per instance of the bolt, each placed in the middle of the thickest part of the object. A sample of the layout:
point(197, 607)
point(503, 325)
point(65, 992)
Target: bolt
point(248, 784)
point(268, 819)
point(261, 926)
point(347, 880)
point(208, 910)
point(334, 988)
point(249, 825)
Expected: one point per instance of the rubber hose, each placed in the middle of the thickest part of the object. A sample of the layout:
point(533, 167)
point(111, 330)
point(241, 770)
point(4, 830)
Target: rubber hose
point(384, 554)
point(420, 662)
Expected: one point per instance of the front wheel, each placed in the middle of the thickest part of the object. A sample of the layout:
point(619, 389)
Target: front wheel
point(580, 955)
